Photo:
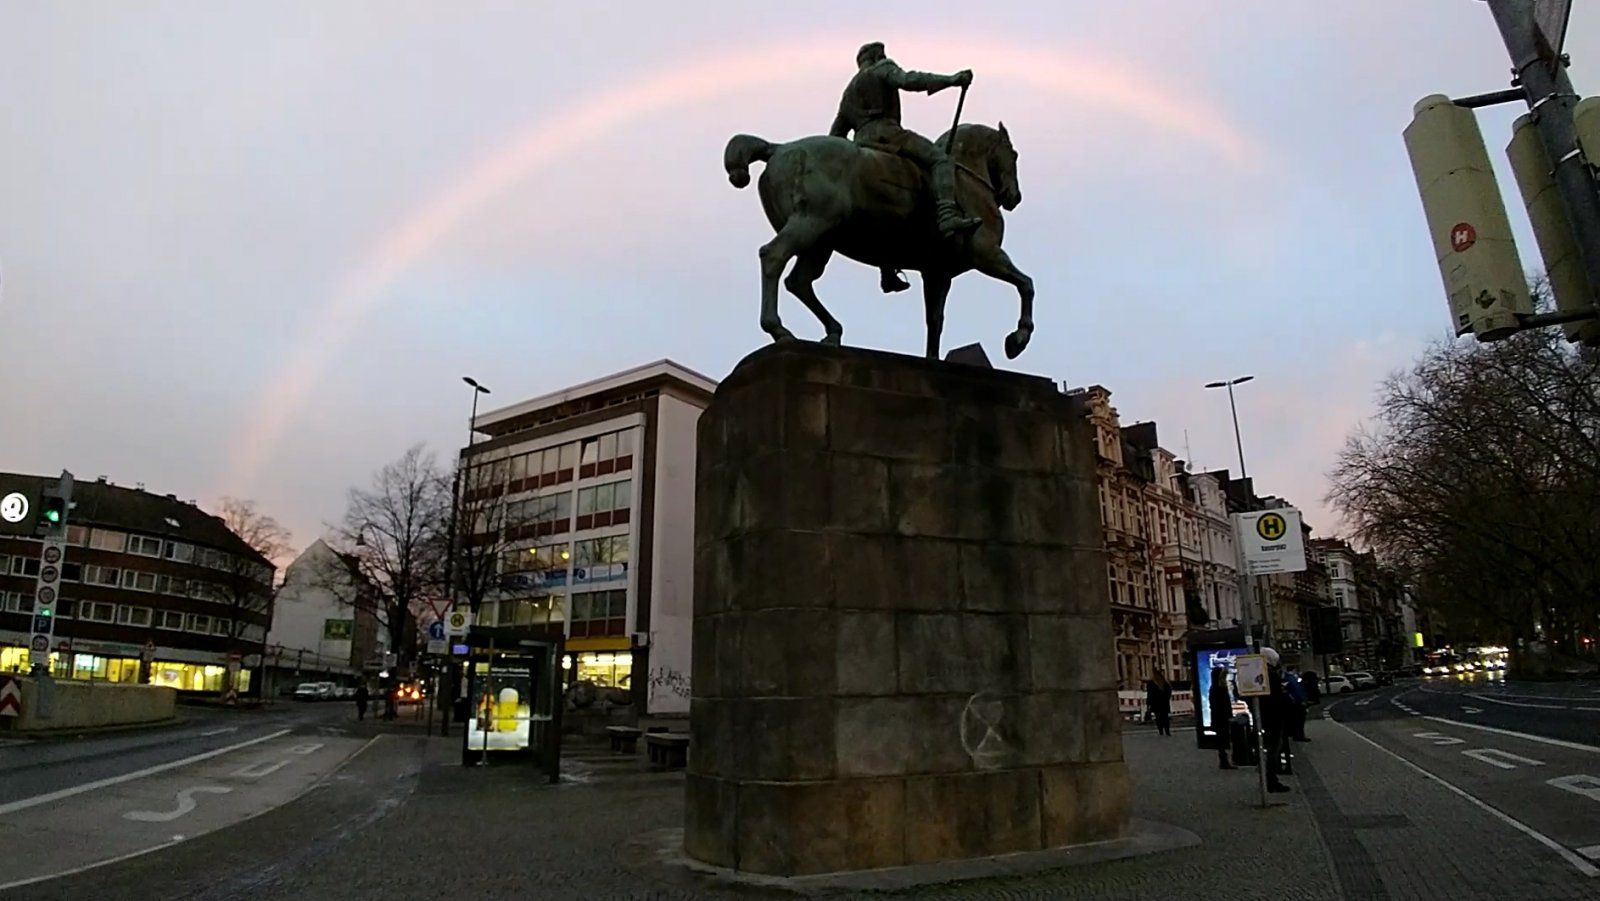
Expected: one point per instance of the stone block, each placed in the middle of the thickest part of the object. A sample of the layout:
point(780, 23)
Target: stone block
point(971, 815)
point(820, 827)
point(998, 438)
point(712, 578)
point(710, 829)
point(864, 571)
point(887, 424)
point(787, 653)
point(864, 653)
point(1033, 579)
point(858, 494)
point(1048, 730)
point(711, 733)
point(925, 501)
point(781, 491)
point(1085, 803)
point(1102, 725)
point(877, 736)
point(1067, 652)
point(952, 652)
point(716, 504)
point(782, 739)
point(778, 569)
point(703, 671)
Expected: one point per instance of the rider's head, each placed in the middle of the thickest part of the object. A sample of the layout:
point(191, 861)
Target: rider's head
point(869, 53)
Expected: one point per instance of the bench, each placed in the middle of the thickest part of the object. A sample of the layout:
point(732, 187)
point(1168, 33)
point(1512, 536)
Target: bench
point(624, 739)
point(668, 749)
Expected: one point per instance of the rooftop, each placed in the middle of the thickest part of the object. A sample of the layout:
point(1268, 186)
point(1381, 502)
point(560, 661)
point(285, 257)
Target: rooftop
point(519, 414)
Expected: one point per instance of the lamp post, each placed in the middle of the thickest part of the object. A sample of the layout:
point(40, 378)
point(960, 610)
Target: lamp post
point(450, 544)
point(1234, 408)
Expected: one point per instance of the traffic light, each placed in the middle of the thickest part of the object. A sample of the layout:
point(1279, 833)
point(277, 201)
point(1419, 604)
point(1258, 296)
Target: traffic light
point(1552, 226)
point(1472, 240)
point(55, 502)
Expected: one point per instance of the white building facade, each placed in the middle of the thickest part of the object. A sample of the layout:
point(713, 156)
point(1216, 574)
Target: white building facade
point(597, 541)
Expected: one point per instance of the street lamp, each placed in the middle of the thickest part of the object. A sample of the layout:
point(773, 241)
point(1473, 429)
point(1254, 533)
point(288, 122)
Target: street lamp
point(472, 424)
point(450, 546)
point(1235, 409)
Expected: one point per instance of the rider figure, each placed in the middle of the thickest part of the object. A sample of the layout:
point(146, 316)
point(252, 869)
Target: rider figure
point(871, 108)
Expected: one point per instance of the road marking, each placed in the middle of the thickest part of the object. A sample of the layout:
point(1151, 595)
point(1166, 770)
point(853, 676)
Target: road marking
point(14, 806)
point(1438, 738)
point(1495, 757)
point(1592, 852)
point(1588, 786)
point(1581, 865)
point(1466, 709)
point(257, 770)
point(305, 749)
point(1518, 703)
point(185, 806)
point(1569, 745)
point(5, 887)
point(219, 731)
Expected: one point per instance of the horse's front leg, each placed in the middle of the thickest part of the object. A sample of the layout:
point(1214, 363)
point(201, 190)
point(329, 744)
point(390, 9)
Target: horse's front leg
point(807, 269)
point(935, 291)
point(993, 262)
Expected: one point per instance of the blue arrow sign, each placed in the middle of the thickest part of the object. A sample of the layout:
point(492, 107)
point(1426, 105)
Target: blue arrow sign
point(436, 630)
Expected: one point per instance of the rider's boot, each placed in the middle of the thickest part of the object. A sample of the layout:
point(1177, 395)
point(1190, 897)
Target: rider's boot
point(951, 223)
point(891, 281)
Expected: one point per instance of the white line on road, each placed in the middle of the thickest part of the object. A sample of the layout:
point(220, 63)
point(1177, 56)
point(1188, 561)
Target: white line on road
point(1518, 703)
point(1588, 786)
point(1569, 745)
point(1592, 852)
point(257, 770)
point(1438, 738)
point(1582, 866)
point(14, 806)
point(219, 731)
point(305, 748)
point(1466, 709)
point(1505, 760)
point(186, 805)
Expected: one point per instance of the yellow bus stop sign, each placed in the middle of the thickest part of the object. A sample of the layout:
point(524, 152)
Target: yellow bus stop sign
point(1271, 526)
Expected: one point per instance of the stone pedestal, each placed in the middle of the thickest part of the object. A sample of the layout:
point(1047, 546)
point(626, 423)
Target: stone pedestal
point(902, 638)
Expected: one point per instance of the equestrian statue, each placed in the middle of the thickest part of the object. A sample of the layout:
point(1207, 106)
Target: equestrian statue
point(888, 197)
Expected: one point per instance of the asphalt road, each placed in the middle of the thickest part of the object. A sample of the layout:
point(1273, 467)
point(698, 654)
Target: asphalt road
point(1528, 754)
point(76, 804)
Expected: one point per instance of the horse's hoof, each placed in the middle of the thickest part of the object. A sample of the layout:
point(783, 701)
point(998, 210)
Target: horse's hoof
point(833, 340)
point(1016, 342)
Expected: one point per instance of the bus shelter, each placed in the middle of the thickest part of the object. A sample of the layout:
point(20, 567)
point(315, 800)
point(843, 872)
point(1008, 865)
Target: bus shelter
point(513, 693)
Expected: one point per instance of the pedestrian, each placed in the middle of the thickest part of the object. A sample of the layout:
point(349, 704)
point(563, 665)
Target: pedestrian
point(1158, 700)
point(1313, 687)
point(1220, 700)
point(1275, 716)
point(1293, 687)
point(362, 697)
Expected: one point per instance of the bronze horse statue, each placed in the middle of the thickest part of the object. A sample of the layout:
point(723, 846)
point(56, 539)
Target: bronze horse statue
point(825, 194)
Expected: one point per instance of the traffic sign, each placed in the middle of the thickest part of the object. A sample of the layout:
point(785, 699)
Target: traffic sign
point(1271, 541)
point(40, 643)
point(52, 555)
point(436, 630)
point(10, 696)
point(457, 622)
point(14, 507)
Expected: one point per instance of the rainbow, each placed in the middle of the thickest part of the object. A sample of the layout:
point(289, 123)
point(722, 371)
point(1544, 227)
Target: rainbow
point(1082, 77)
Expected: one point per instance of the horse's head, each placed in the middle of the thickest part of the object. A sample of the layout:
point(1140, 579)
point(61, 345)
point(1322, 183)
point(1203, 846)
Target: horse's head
point(988, 151)
point(1003, 170)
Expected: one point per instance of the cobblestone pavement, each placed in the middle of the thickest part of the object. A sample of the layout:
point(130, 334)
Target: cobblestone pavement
point(1358, 825)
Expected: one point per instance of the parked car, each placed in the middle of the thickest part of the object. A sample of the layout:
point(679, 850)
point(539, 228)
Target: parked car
point(314, 691)
point(1385, 677)
point(1363, 680)
point(345, 692)
point(1337, 685)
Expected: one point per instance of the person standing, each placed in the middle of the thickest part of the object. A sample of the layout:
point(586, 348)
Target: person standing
point(1220, 700)
point(1298, 701)
point(1275, 715)
point(362, 697)
point(1158, 700)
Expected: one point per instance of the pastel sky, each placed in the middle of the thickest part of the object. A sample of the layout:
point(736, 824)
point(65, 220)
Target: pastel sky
point(251, 248)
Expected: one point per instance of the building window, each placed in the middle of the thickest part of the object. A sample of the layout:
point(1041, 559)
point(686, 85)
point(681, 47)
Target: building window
point(600, 559)
point(133, 616)
point(599, 613)
point(144, 547)
point(107, 540)
point(169, 619)
point(77, 536)
point(199, 623)
point(138, 580)
point(72, 572)
point(99, 612)
point(102, 575)
point(613, 670)
point(220, 626)
point(16, 602)
point(24, 566)
point(179, 551)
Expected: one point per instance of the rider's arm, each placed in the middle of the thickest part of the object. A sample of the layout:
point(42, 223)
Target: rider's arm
point(841, 128)
point(916, 81)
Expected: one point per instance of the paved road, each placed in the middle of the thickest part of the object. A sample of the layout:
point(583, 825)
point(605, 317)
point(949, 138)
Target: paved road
point(80, 803)
point(1528, 755)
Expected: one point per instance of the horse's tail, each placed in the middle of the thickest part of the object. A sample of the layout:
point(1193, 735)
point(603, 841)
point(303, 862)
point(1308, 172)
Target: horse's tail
point(741, 152)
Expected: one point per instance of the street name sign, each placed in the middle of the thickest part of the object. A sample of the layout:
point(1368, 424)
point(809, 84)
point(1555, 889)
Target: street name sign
point(1270, 541)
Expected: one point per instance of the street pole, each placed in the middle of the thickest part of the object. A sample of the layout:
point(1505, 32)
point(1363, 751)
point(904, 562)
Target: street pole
point(450, 550)
point(1542, 74)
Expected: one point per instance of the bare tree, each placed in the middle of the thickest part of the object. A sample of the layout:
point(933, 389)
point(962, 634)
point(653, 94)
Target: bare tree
point(246, 585)
point(485, 522)
point(394, 535)
point(1480, 478)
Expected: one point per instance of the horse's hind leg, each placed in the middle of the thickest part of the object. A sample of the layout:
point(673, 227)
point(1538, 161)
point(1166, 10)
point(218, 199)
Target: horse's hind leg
point(807, 269)
point(796, 237)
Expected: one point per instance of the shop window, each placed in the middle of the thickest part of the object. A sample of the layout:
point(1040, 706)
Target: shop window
point(614, 670)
